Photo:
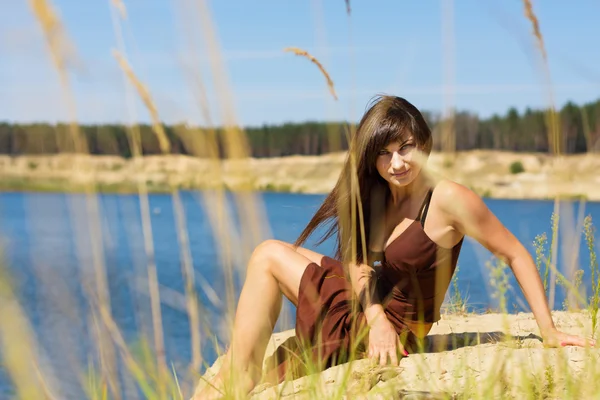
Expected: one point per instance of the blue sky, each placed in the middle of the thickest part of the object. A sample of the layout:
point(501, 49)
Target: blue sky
point(479, 56)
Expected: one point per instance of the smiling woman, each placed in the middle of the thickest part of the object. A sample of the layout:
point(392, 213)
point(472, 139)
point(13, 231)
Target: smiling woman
point(399, 235)
point(395, 159)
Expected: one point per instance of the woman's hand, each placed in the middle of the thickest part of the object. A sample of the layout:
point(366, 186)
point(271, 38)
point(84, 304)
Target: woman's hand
point(384, 342)
point(556, 338)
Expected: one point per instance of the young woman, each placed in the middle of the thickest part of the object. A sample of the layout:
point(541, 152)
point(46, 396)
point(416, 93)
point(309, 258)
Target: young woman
point(399, 236)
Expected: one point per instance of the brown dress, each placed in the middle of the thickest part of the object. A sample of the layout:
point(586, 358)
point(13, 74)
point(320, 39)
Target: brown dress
point(412, 282)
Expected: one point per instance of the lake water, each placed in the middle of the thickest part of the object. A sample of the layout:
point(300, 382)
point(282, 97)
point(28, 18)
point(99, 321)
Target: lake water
point(49, 254)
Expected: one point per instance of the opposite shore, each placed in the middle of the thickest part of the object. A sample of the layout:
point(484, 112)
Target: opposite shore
point(494, 174)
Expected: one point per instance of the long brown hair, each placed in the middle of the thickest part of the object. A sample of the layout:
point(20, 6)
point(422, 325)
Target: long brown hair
point(360, 194)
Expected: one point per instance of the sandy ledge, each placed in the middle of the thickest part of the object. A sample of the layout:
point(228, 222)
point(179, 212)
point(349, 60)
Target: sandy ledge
point(469, 356)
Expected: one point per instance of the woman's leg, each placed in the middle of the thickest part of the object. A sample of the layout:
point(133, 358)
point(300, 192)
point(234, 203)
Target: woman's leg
point(274, 268)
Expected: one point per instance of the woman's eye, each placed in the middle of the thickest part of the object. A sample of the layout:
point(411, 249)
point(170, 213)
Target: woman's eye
point(383, 152)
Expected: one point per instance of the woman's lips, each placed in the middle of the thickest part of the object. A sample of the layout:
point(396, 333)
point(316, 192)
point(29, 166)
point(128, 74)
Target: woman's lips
point(401, 174)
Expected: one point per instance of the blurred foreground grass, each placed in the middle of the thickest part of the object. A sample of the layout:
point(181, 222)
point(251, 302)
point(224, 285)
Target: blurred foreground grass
point(487, 356)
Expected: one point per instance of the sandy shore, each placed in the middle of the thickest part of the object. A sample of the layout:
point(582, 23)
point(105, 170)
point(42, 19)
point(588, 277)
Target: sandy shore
point(486, 172)
point(471, 356)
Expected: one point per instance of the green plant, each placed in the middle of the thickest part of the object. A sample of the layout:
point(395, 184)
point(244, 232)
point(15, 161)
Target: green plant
point(589, 231)
point(458, 304)
point(550, 384)
point(519, 340)
point(554, 219)
point(516, 167)
point(540, 249)
point(499, 281)
point(562, 281)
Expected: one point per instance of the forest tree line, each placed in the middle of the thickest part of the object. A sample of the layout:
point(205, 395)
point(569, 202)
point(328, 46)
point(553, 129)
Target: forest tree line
point(579, 128)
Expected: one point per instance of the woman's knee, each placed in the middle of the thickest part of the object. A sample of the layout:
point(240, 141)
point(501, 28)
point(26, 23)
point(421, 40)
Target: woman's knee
point(268, 252)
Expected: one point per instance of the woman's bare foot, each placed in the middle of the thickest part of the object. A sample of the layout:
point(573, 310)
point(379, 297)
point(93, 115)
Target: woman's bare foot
point(239, 385)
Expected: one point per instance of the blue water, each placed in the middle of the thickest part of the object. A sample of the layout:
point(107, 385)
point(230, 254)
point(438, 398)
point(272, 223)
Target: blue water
point(48, 251)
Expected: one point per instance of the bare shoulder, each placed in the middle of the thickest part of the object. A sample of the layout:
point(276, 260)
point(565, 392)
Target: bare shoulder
point(466, 212)
point(458, 202)
point(450, 192)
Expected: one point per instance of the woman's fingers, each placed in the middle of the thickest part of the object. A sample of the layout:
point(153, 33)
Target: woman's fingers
point(381, 355)
point(394, 357)
point(372, 353)
point(577, 341)
point(558, 339)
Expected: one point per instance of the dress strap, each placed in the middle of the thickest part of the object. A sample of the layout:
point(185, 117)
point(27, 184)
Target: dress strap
point(425, 207)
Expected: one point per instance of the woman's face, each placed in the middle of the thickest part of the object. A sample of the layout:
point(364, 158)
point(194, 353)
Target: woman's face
point(396, 162)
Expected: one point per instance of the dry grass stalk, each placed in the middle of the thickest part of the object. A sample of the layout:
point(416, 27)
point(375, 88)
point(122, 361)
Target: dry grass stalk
point(135, 141)
point(207, 144)
point(106, 349)
point(134, 138)
point(204, 143)
point(235, 141)
point(136, 370)
point(61, 50)
point(447, 125)
point(62, 54)
point(60, 297)
point(196, 141)
point(536, 26)
point(54, 32)
point(120, 7)
point(348, 9)
point(552, 121)
point(304, 53)
point(554, 134)
point(151, 268)
point(18, 345)
point(144, 93)
point(187, 263)
point(187, 266)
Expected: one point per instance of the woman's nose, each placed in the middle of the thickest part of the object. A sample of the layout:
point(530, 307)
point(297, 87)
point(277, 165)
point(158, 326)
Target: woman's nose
point(397, 160)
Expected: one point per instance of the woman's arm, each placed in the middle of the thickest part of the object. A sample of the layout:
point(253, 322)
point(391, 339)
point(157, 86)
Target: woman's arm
point(363, 282)
point(467, 214)
point(384, 342)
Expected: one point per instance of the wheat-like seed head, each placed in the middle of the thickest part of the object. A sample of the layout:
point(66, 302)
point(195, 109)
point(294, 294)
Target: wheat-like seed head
point(536, 26)
point(120, 6)
point(61, 49)
point(304, 53)
point(144, 93)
